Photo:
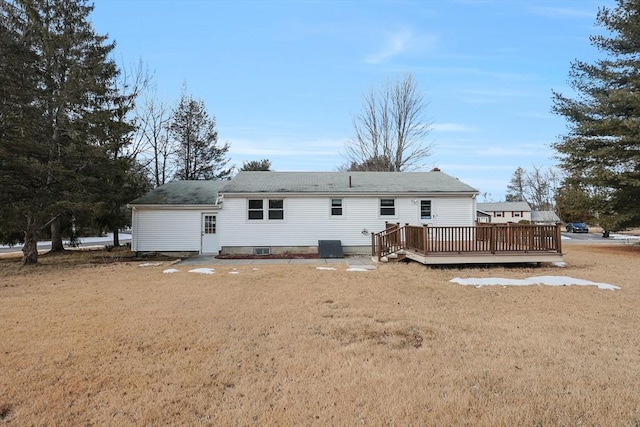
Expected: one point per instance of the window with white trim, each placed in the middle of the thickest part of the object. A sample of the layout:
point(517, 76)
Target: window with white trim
point(425, 209)
point(209, 224)
point(276, 209)
point(256, 210)
point(336, 207)
point(387, 207)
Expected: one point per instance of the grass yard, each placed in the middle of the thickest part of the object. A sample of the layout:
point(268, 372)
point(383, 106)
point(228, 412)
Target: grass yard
point(120, 344)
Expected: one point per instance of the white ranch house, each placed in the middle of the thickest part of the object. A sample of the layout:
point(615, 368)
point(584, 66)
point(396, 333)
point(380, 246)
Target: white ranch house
point(276, 212)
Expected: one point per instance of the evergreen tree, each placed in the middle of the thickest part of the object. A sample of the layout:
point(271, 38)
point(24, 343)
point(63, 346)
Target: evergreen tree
point(373, 164)
point(198, 154)
point(256, 165)
point(601, 152)
point(515, 188)
point(21, 159)
point(574, 205)
point(52, 149)
point(122, 178)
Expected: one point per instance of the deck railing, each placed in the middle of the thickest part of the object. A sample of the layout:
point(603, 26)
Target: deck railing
point(485, 238)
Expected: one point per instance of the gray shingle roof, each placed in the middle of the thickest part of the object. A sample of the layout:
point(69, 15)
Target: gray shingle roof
point(544, 216)
point(182, 193)
point(345, 182)
point(504, 207)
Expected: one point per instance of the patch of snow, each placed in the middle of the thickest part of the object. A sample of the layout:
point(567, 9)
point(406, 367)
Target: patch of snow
point(325, 268)
point(357, 269)
point(202, 270)
point(539, 280)
point(170, 270)
point(108, 238)
point(150, 264)
point(623, 237)
point(254, 269)
point(559, 264)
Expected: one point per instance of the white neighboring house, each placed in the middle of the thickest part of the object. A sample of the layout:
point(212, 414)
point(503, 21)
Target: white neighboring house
point(291, 211)
point(501, 213)
point(178, 217)
point(275, 212)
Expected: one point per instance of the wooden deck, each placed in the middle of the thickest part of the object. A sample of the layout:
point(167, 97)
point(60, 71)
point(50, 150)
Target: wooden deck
point(481, 244)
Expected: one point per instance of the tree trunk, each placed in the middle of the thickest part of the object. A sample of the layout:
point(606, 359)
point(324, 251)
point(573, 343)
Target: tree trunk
point(56, 236)
point(116, 238)
point(30, 248)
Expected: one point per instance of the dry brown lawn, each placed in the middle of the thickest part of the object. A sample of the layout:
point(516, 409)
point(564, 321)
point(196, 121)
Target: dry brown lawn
point(120, 344)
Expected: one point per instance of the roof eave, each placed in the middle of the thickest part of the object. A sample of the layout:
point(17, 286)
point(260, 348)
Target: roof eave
point(239, 194)
point(174, 206)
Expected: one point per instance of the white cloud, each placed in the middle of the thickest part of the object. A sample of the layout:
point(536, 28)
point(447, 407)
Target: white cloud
point(285, 146)
point(475, 96)
point(562, 12)
point(452, 127)
point(535, 115)
point(398, 43)
point(474, 167)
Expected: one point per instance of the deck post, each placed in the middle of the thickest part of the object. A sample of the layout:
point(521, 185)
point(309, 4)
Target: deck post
point(493, 238)
point(373, 244)
point(425, 238)
point(532, 238)
point(559, 238)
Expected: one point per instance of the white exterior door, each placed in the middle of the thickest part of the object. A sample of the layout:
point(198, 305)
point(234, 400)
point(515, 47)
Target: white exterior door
point(210, 243)
point(426, 212)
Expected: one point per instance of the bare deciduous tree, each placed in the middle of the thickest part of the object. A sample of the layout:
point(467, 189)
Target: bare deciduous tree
point(540, 188)
point(391, 131)
point(153, 119)
point(537, 187)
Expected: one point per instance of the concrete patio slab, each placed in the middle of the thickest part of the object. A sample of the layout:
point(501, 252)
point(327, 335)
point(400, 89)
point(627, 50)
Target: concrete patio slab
point(212, 260)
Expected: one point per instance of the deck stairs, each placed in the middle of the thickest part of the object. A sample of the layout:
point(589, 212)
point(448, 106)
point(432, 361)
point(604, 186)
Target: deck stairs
point(394, 256)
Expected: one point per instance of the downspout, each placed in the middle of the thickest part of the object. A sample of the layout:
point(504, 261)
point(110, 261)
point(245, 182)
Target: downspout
point(134, 230)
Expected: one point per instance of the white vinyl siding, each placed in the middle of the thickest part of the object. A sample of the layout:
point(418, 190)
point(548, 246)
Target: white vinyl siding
point(308, 220)
point(453, 212)
point(166, 230)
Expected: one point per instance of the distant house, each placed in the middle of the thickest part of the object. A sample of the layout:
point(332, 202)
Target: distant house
point(544, 217)
point(271, 212)
point(503, 212)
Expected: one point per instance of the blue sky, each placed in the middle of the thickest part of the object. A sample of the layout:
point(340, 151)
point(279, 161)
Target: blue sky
point(285, 78)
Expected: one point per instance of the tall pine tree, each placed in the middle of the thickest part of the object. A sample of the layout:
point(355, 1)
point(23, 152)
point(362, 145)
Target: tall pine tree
point(53, 147)
point(516, 187)
point(601, 152)
point(198, 154)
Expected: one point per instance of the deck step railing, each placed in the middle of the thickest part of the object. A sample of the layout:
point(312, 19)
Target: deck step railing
point(481, 239)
